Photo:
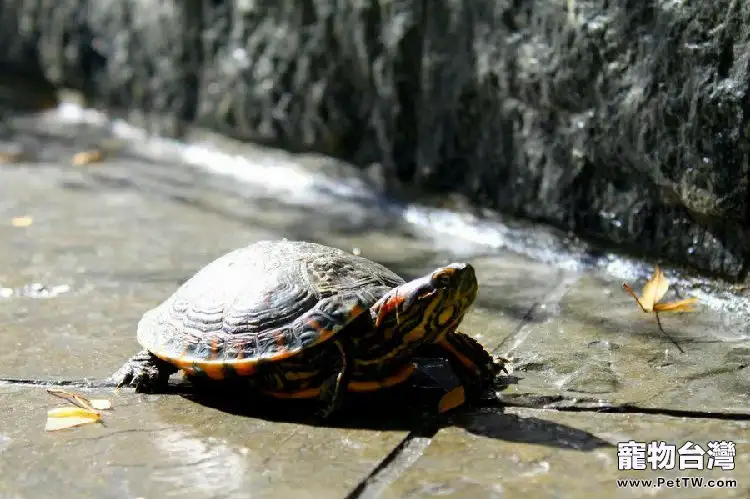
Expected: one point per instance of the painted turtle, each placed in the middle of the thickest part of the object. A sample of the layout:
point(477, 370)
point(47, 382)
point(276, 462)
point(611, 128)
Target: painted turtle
point(303, 320)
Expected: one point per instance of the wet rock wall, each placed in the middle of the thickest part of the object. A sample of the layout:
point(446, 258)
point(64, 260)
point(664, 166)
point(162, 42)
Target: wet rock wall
point(624, 122)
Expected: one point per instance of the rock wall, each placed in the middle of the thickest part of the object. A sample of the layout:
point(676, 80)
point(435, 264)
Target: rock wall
point(623, 121)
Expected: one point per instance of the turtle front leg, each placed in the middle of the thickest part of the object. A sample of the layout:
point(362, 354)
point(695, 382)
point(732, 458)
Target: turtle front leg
point(144, 372)
point(474, 366)
point(333, 389)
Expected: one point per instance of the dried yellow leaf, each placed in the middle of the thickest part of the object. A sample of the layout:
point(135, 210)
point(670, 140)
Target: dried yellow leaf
point(61, 418)
point(67, 412)
point(10, 157)
point(81, 401)
point(654, 290)
point(73, 398)
point(21, 221)
point(87, 157)
point(686, 305)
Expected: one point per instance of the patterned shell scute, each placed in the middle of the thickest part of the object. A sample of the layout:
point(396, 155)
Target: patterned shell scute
point(260, 302)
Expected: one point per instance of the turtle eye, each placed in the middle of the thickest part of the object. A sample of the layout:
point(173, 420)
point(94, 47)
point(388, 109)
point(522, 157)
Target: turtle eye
point(442, 278)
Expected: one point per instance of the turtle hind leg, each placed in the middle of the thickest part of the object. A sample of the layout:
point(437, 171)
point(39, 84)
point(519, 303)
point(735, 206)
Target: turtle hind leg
point(144, 372)
point(474, 366)
point(333, 389)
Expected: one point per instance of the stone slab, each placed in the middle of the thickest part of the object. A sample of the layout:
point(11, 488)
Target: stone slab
point(168, 446)
point(552, 454)
point(598, 345)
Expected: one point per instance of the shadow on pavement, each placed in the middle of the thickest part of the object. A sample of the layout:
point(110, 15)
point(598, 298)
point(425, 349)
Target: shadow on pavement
point(410, 408)
point(493, 422)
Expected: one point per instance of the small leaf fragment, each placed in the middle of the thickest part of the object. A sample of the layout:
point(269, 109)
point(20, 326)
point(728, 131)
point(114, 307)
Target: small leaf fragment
point(686, 305)
point(85, 410)
point(73, 398)
point(10, 157)
point(61, 418)
point(23, 221)
point(654, 289)
point(88, 157)
point(68, 412)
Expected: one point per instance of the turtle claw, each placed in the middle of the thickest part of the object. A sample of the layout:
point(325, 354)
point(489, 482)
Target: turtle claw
point(498, 365)
point(144, 372)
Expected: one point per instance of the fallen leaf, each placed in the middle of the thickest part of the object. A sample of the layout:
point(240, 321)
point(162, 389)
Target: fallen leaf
point(23, 221)
point(85, 410)
point(69, 412)
point(79, 400)
point(74, 398)
point(653, 291)
point(686, 305)
point(10, 157)
point(61, 418)
point(88, 157)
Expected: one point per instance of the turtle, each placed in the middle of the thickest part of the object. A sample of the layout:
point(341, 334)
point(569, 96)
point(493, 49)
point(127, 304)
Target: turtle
point(296, 319)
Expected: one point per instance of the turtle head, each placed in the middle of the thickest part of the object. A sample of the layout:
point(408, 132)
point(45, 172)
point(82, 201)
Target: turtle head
point(431, 305)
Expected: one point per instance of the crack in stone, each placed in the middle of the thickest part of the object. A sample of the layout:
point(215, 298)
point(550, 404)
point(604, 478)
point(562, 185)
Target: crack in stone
point(86, 384)
point(567, 404)
point(74, 383)
point(401, 458)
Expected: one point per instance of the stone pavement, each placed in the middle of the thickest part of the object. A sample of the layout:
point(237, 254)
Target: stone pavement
point(107, 241)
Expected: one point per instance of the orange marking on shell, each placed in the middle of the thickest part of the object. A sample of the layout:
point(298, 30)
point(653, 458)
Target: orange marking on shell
point(371, 386)
point(214, 370)
point(247, 368)
point(279, 338)
point(324, 333)
point(283, 353)
point(214, 349)
point(316, 326)
point(307, 393)
point(185, 365)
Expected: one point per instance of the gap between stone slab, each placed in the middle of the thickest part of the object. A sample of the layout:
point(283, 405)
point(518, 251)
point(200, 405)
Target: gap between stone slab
point(411, 448)
point(569, 404)
point(400, 459)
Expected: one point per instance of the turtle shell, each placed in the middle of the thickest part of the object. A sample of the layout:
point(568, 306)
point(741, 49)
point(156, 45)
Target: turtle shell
point(262, 303)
